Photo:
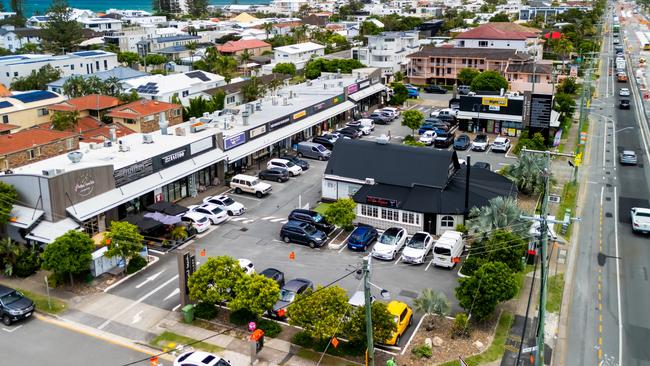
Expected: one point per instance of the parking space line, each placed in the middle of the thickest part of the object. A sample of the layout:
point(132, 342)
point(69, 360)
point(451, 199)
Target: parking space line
point(12, 329)
point(247, 198)
point(429, 265)
point(398, 260)
point(268, 218)
point(248, 221)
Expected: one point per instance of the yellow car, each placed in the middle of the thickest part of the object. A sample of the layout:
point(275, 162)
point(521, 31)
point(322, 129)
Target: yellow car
point(403, 316)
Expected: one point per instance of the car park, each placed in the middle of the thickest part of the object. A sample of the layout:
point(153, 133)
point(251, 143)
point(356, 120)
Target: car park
point(288, 294)
point(427, 137)
point(640, 219)
point(303, 164)
point(213, 212)
point(624, 104)
point(320, 140)
point(313, 218)
point(276, 174)
point(14, 306)
point(403, 316)
point(417, 248)
point(293, 169)
point(462, 142)
point(624, 92)
point(436, 89)
point(628, 157)
point(362, 237)
point(274, 274)
point(315, 149)
point(199, 358)
point(389, 244)
point(197, 220)
point(443, 139)
point(481, 142)
point(250, 184)
point(426, 126)
point(302, 233)
point(246, 265)
point(501, 144)
point(232, 207)
point(482, 165)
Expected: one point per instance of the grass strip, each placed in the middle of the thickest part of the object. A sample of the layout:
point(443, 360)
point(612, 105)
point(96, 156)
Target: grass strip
point(555, 289)
point(41, 303)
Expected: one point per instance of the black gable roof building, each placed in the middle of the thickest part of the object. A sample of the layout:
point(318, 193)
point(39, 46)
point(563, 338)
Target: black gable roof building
point(419, 189)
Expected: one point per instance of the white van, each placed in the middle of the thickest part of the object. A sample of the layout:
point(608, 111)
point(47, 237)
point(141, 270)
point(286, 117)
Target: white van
point(449, 246)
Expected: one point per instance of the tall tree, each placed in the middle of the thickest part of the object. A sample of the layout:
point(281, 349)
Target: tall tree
point(526, 172)
point(215, 280)
point(191, 47)
point(64, 120)
point(256, 294)
point(112, 86)
point(467, 75)
point(225, 66)
point(18, 6)
point(244, 58)
point(491, 284)
point(8, 196)
point(74, 86)
point(253, 90)
point(124, 241)
point(37, 80)
point(61, 33)
point(69, 254)
point(500, 213)
point(197, 8)
point(320, 313)
point(268, 28)
point(489, 81)
point(412, 119)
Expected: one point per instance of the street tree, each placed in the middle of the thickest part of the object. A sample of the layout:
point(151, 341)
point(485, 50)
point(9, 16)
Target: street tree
point(526, 172)
point(433, 303)
point(256, 294)
point(128, 58)
point(383, 324)
point(491, 284)
point(287, 68)
point(197, 8)
point(64, 120)
point(124, 241)
point(489, 81)
point(341, 213)
point(61, 33)
point(412, 119)
point(69, 254)
point(500, 213)
point(155, 59)
point(502, 246)
point(8, 196)
point(567, 86)
point(216, 280)
point(564, 104)
point(400, 94)
point(320, 313)
point(9, 252)
point(36, 80)
point(467, 75)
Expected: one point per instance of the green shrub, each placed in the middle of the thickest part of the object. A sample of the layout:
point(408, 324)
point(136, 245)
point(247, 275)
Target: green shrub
point(461, 326)
point(303, 339)
point(423, 351)
point(27, 263)
point(135, 264)
point(471, 264)
point(242, 317)
point(270, 328)
point(206, 310)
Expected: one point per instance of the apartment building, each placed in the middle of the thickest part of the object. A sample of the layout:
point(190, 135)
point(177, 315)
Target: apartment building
point(388, 51)
point(521, 77)
point(527, 13)
point(101, 24)
point(127, 38)
point(502, 35)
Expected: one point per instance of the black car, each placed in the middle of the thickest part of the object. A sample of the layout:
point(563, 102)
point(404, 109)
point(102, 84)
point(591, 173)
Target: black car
point(302, 233)
point(288, 294)
point(482, 165)
point(435, 89)
point(624, 104)
point(329, 144)
point(277, 174)
point(451, 120)
point(350, 132)
point(312, 217)
point(274, 274)
point(462, 142)
point(14, 305)
point(296, 160)
point(443, 139)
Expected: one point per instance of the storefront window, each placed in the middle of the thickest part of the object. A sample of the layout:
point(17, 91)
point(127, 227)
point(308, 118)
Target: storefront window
point(388, 214)
point(370, 211)
point(410, 218)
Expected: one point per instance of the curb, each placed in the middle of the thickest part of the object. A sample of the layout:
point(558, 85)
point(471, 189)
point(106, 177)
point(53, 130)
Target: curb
point(338, 246)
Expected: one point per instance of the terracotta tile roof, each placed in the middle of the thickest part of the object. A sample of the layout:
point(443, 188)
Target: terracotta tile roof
point(88, 102)
point(26, 139)
point(4, 127)
point(140, 108)
point(486, 53)
point(499, 30)
point(4, 91)
point(236, 46)
point(92, 130)
point(287, 25)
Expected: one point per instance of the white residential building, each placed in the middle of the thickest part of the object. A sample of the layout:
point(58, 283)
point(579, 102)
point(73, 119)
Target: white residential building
point(6, 14)
point(502, 35)
point(75, 63)
point(129, 12)
point(128, 37)
point(298, 53)
point(287, 6)
point(101, 24)
point(13, 38)
point(388, 51)
point(185, 85)
point(145, 20)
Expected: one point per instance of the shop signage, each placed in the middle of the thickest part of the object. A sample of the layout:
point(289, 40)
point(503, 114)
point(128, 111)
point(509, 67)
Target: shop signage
point(299, 115)
point(495, 101)
point(133, 172)
point(318, 107)
point(383, 202)
point(201, 145)
point(525, 109)
point(279, 123)
point(364, 84)
point(540, 110)
point(353, 88)
point(256, 132)
point(84, 185)
point(494, 108)
point(233, 141)
point(337, 99)
point(174, 157)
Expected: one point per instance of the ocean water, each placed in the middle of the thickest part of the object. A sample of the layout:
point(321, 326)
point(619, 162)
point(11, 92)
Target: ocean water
point(40, 6)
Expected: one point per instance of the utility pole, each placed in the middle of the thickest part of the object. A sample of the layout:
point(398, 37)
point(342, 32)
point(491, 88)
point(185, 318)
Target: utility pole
point(543, 244)
point(368, 304)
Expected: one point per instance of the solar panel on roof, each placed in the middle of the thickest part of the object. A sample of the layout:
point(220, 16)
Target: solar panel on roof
point(5, 104)
point(34, 96)
point(198, 75)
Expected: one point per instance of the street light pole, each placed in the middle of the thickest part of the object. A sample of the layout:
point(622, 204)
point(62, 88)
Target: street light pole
point(368, 305)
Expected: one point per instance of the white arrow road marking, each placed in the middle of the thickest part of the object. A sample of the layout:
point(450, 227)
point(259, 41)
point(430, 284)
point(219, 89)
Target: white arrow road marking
point(12, 329)
point(174, 293)
point(149, 279)
point(137, 317)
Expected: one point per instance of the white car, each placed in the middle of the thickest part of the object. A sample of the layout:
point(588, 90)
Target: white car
point(640, 219)
point(427, 137)
point(246, 265)
point(444, 112)
point(389, 243)
point(434, 112)
point(214, 213)
point(481, 142)
point(624, 92)
point(501, 144)
point(199, 358)
point(226, 203)
point(197, 220)
point(365, 129)
point(393, 112)
point(287, 165)
point(417, 248)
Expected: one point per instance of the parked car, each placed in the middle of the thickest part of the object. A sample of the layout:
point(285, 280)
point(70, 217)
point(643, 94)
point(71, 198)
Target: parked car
point(482, 165)
point(426, 126)
point(213, 212)
point(437, 124)
point(303, 164)
point(293, 169)
point(403, 316)
point(621, 77)
point(312, 217)
point(395, 112)
point(444, 139)
point(640, 219)
point(481, 142)
point(462, 142)
point(288, 294)
point(302, 233)
point(232, 207)
point(250, 184)
point(427, 137)
point(199, 358)
point(412, 92)
point(417, 248)
point(463, 89)
point(389, 243)
point(501, 144)
point(437, 89)
point(314, 150)
point(449, 246)
point(451, 120)
point(350, 132)
point(624, 104)
point(198, 221)
point(624, 92)
point(275, 275)
point(321, 140)
point(14, 306)
point(380, 118)
point(628, 157)
point(246, 265)
point(448, 112)
point(277, 174)
point(365, 130)
point(362, 237)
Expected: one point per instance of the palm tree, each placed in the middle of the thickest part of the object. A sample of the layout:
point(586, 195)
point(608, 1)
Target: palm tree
point(526, 173)
point(434, 303)
point(192, 48)
point(9, 251)
point(500, 213)
point(93, 85)
point(74, 86)
point(244, 58)
point(63, 121)
point(300, 33)
point(225, 66)
point(268, 28)
point(274, 85)
point(113, 86)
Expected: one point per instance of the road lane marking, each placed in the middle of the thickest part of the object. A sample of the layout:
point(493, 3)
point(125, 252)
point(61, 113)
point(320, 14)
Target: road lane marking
point(137, 317)
point(176, 307)
point(268, 218)
point(248, 221)
point(149, 279)
point(12, 329)
point(618, 281)
point(276, 220)
point(172, 294)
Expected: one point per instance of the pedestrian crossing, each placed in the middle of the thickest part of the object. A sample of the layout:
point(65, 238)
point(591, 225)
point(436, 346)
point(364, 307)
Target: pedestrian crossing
point(250, 220)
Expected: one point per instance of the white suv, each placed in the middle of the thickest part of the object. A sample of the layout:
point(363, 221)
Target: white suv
point(226, 203)
point(249, 184)
point(640, 220)
point(287, 165)
point(501, 144)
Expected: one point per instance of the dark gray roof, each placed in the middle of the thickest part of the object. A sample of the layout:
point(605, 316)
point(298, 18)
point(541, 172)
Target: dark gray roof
point(486, 53)
point(392, 164)
point(527, 68)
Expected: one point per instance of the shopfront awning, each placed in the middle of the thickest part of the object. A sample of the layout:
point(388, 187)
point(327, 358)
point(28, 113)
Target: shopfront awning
point(24, 217)
point(101, 203)
point(288, 131)
point(47, 232)
point(492, 116)
point(373, 89)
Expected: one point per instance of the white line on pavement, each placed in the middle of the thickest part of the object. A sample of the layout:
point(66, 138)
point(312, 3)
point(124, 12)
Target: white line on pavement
point(248, 221)
point(429, 265)
point(268, 218)
point(413, 335)
point(157, 252)
point(176, 307)
point(149, 279)
point(276, 220)
point(397, 261)
point(284, 222)
point(135, 303)
point(172, 294)
point(618, 281)
point(12, 329)
point(236, 219)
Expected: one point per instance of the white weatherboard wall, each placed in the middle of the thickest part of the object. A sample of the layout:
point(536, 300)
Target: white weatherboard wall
point(458, 219)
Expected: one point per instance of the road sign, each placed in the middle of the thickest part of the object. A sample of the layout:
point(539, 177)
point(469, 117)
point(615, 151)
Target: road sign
point(529, 349)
